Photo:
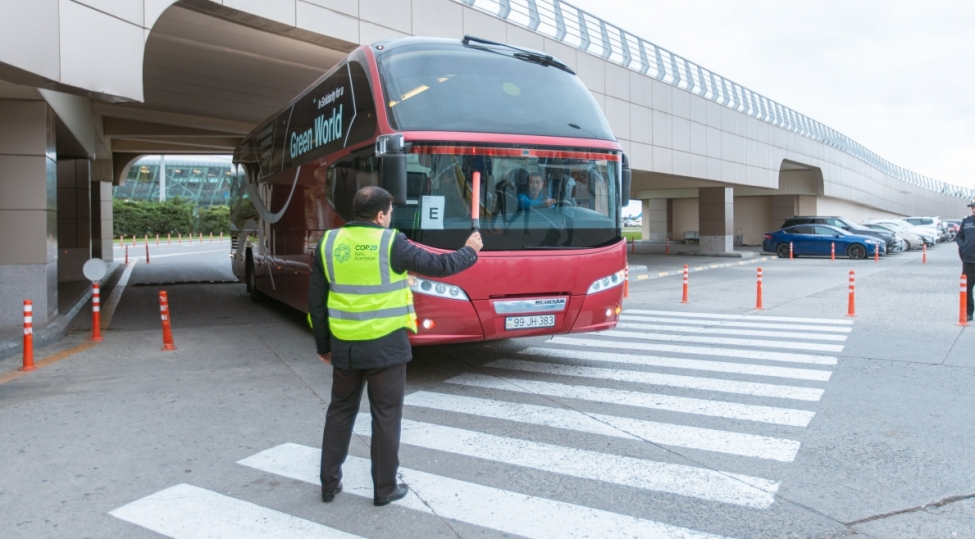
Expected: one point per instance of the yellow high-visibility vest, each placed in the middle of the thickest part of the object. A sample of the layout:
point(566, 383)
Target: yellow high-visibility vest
point(367, 299)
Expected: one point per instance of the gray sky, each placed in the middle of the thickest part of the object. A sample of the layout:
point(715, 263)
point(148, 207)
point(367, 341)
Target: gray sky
point(896, 76)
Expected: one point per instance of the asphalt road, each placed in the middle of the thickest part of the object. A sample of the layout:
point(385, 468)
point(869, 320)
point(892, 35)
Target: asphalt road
point(707, 418)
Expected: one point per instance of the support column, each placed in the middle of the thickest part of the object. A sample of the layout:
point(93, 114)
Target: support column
point(716, 213)
point(74, 218)
point(28, 211)
point(102, 234)
point(655, 219)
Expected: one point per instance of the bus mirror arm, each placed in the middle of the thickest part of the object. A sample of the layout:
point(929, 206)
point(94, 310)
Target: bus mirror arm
point(627, 182)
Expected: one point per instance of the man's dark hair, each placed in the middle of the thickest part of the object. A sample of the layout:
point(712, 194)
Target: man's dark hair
point(369, 201)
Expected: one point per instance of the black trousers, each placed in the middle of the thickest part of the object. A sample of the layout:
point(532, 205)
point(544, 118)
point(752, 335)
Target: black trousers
point(386, 388)
point(969, 270)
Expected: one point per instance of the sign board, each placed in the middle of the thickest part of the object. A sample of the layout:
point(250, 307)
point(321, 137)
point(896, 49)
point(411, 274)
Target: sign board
point(95, 270)
point(431, 208)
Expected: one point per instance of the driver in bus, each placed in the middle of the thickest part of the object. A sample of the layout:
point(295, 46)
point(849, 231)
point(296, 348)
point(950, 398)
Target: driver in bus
point(537, 196)
point(360, 306)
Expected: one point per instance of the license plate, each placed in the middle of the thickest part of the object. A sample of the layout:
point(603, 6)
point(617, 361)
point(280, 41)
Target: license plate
point(533, 321)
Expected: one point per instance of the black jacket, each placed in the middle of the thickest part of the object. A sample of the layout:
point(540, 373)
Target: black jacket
point(966, 239)
point(393, 348)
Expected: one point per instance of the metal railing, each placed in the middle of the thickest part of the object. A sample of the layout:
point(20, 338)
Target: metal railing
point(572, 26)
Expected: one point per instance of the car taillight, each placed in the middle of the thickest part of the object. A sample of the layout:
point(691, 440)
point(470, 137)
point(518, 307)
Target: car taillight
point(768, 236)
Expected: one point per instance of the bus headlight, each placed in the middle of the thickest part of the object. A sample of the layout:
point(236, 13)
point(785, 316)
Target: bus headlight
point(435, 288)
point(608, 282)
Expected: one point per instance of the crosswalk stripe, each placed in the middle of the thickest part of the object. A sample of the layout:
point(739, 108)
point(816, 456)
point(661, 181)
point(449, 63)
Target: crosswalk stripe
point(185, 511)
point(682, 363)
point(518, 412)
point(712, 440)
point(738, 317)
point(498, 509)
point(737, 324)
point(705, 407)
point(683, 480)
point(706, 351)
point(723, 341)
point(730, 331)
point(664, 379)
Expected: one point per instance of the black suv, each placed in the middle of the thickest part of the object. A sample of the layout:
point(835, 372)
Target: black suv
point(846, 225)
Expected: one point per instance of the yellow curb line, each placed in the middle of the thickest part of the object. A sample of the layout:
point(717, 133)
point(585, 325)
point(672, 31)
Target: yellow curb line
point(44, 362)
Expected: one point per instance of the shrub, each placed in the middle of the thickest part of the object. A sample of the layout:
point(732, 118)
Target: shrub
point(215, 219)
point(152, 217)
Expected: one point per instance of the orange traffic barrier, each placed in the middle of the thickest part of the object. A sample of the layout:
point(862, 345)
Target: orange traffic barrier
point(626, 282)
point(632, 245)
point(832, 251)
point(126, 254)
point(667, 247)
point(962, 301)
point(684, 300)
point(157, 239)
point(28, 336)
point(924, 254)
point(190, 236)
point(179, 239)
point(147, 253)
point(134, 240)
point(167, 329)
point(851, 308)
point(211, 238)
point(169, 239)
point(790, 251)
point(876, 253)
point(201, 238)
point(96, 315)
point(758, 296)
point(221, 236)
point(147, 239)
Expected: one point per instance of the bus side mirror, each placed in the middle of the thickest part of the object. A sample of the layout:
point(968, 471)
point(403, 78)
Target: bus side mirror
point(392, 151)
point(627, 182)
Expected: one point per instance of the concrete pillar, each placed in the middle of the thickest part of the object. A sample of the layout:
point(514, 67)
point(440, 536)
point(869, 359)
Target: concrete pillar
point(28, 211)
point(102, 234)
point(670, 219)
point(655, 219)
point(74, 218)
point(716, 214)
point(786, 206)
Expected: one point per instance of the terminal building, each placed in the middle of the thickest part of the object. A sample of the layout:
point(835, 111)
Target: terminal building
point(90, 87)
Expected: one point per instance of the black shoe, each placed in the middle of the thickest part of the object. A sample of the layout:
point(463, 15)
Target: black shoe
point(327, 496)
point(396, 495)
point(969, 318)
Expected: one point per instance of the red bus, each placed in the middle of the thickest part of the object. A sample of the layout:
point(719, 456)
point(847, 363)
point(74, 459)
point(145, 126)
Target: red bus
point(420, 116)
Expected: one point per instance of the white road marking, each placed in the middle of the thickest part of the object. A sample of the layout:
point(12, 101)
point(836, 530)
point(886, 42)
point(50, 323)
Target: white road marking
point(517, 412)
point(729, 331)
point(185, 511)
point(683, 363)
point(723, 341)
point(706, 351)
point(498, 509)
point(683, 480)
point(721, 409)
point(663, 379)
point(190, 253)
point(108, 309)
point(736, 324)
point(712, 440)
point(756, 318)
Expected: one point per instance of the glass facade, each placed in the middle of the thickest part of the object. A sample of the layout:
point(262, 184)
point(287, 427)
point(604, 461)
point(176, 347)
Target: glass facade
point(204, 180)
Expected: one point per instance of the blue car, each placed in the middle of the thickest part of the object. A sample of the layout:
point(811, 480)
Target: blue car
point(818, 240)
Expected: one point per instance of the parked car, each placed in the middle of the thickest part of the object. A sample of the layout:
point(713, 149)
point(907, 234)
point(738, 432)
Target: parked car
point(819, 240)
point(893, 245)
point(912, 241)
point(929, 236)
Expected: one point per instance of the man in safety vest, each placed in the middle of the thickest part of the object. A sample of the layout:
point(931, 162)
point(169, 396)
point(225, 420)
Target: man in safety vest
point(361, 306)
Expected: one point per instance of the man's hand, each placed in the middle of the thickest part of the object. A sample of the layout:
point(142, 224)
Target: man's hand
point(474, 242)
point(327, 358)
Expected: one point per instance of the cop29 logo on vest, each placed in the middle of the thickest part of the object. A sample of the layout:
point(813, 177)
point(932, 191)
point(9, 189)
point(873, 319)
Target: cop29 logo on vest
point(342, 253)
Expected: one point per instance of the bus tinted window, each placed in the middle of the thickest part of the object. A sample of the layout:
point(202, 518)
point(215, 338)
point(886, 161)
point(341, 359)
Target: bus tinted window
point(444, 87)
point(527, 202)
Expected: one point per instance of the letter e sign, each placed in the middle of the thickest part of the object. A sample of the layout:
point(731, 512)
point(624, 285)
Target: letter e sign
point(431, 211)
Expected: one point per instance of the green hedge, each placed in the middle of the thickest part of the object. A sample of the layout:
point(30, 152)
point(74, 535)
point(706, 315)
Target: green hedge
point(175, 216)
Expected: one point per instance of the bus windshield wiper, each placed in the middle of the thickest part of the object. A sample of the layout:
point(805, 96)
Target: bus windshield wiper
point(523, 54)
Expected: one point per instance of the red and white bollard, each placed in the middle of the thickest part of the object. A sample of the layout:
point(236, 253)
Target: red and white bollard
point(167, 329)
point(626, 282)
point(667, 247)
point(684, 300)
point(758, 296)
point(851, 307)
point(96, 315)
point(190, 236)
point(790, 251)
point(963, 301)
point(157, 240)
point(169, 239)
point(201, 238)
point(134, 240)
point(832, 251)
point(28, 336)
point(126, 254)
point(211, 237)
point(924, 254)
point(221, 236)
point(876, 253)
point(179, 240)
point(147, 253)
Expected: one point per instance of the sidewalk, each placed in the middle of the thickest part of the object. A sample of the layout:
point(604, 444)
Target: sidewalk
point(649, 260)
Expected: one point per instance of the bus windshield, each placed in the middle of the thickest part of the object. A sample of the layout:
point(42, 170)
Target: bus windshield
point(450, 87)
point(530, 199)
